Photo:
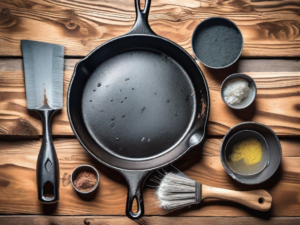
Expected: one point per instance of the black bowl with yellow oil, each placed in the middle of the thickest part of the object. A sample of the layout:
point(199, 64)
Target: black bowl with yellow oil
point(250, 153)
point(247, 153)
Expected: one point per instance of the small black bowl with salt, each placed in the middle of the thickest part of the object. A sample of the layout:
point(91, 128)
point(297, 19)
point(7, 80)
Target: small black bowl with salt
point(238, 91)
point(217, 42)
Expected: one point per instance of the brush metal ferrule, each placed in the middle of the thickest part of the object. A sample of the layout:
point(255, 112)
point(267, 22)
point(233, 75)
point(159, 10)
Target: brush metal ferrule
point(198, 192)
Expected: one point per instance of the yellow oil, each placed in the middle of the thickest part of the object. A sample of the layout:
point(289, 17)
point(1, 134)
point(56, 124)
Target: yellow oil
point(247, 157)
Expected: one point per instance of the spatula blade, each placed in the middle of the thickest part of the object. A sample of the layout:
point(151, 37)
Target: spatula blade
point(44, 67)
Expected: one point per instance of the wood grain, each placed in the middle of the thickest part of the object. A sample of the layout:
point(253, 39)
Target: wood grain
point(276, 105)
point(147, 220)
point(269, 28)
point(259, 200)
point(211, 147)
point(18, 183)
point(249, 65)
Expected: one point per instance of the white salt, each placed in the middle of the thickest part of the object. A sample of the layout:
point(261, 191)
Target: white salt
point(235, 90)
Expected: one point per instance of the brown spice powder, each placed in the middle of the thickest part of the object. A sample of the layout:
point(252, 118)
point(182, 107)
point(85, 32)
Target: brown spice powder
point(85, 181)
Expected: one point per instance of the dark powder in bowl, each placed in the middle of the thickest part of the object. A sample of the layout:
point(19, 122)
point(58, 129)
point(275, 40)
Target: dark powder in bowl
point(85, 181)
point(217, 42)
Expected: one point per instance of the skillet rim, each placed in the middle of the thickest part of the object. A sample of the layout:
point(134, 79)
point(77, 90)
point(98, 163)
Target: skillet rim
point(207, 108)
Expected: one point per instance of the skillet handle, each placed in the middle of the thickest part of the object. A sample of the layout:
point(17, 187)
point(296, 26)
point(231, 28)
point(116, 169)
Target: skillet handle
point(135, 181)
point(141, 25)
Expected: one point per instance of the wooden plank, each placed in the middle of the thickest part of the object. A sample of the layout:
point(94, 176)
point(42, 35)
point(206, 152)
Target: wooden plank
point(276, 104)
point(18, 183)
point(269, 28)
point(242, 65)
point(210, 146)
point(153, 220)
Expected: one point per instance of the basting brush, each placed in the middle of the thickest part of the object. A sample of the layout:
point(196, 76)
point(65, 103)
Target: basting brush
point(176, 190)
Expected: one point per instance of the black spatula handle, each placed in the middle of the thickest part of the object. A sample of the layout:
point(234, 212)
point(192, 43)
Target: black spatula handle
point(47, 164)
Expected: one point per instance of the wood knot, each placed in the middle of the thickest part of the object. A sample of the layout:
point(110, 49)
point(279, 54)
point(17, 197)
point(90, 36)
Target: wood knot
point(87, 222)
point(84, 30)
point(249, 8)
point(7, 20)
point(4, 183)
point(5, 11)
point(71, 25)
point(84, 42)
point(24, 127)
point(297, 107)
point(282, 30)
point(66, 180)
point(70, 12)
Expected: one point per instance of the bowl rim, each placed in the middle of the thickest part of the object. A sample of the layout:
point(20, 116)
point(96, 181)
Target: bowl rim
point(84, 166)
point(198, 27)
point(238, 75)
point(268, 150)
point(277, 141)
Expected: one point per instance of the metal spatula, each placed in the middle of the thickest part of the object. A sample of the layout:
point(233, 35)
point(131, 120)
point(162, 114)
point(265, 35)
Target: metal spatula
point(44, 65)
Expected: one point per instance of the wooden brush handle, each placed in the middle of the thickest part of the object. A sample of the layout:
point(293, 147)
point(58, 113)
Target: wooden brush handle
point(258, 199)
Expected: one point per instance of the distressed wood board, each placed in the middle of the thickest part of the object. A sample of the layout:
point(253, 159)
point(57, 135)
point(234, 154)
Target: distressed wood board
point(147, 220)
point(269, 28)
point(18, 182)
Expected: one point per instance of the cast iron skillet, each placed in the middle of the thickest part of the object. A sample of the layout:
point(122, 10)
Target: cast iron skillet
point(137, 103)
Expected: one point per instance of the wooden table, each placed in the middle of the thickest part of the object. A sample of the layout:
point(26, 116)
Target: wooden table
point(271, 31)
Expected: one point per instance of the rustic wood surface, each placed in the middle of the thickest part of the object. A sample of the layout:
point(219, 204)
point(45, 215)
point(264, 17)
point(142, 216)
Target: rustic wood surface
point(18, 182)
point(147, 220)
point(269, 28)
point(277, 102)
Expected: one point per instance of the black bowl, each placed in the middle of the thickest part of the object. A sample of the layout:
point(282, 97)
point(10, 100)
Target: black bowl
point(86, 168)
point(275, 152)
point(251, 95)
point(206, 43)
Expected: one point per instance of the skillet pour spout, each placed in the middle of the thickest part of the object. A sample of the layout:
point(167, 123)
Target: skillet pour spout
point(137, 103)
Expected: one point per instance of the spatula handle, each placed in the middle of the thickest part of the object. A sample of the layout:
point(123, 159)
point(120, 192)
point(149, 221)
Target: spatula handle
point(258, 199)
point(47, 164)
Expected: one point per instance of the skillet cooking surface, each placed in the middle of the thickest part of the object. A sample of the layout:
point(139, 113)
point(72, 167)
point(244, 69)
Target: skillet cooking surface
point(138, 104)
